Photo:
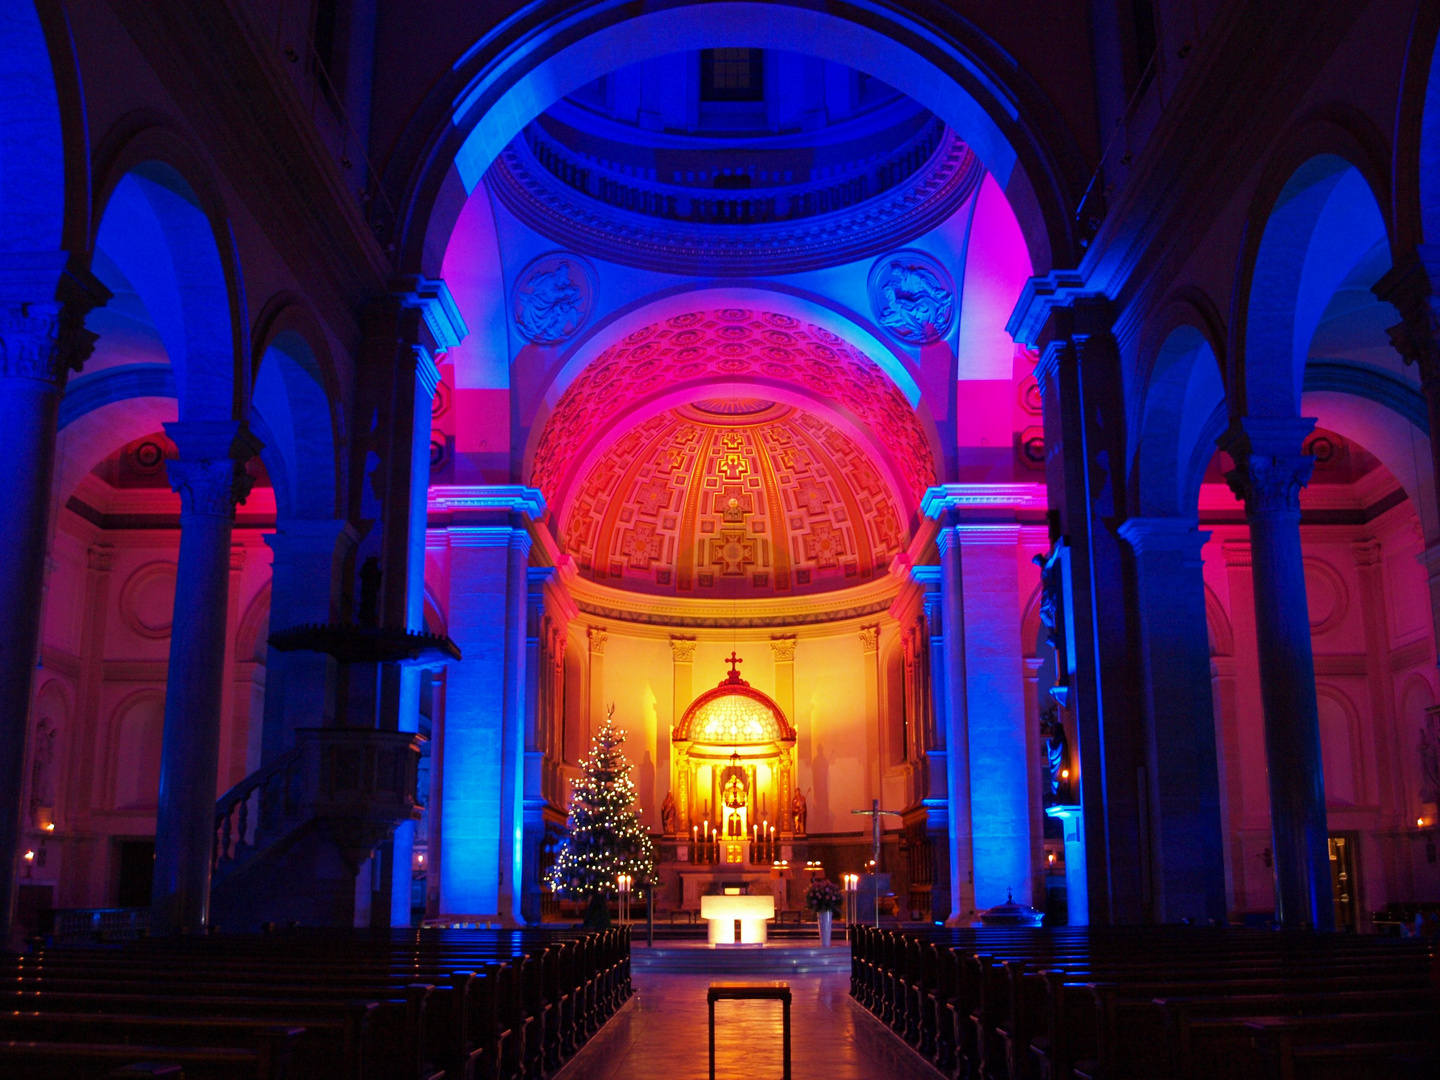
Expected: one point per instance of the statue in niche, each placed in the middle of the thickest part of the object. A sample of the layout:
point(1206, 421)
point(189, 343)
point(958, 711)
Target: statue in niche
point(1049, 595)
point(553, 301)
point(1430, 759)
point(1057, 757)
point(669, 816)
point(370, 592)
point(42, 774)
point(798, 811)
point(912, 301)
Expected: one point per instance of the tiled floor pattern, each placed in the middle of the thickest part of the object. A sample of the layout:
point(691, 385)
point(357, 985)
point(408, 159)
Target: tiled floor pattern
point(662, 1034)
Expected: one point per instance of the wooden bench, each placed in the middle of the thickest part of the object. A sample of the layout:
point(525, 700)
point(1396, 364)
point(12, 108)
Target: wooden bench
point(750, 991)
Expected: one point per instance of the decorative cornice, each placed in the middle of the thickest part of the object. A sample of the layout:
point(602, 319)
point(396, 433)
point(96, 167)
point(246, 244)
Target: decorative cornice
point(431, 296)
point(507, 498)
point(1163, 534)
point(617, 605)
point(943, 497)
point(1038, 297)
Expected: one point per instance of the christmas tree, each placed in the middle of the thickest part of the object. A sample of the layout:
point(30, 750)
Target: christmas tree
point(604, 838)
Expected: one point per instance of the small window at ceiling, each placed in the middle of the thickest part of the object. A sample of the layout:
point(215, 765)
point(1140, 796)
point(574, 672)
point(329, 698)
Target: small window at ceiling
point(732, 75)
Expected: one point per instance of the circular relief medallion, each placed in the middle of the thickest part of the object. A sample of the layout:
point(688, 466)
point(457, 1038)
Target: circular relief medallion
point(147, 600)
point(553, 298)
point(912, 296)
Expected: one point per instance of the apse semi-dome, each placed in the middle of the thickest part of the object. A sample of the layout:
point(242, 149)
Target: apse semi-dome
point(697, 351)
point(734, 497)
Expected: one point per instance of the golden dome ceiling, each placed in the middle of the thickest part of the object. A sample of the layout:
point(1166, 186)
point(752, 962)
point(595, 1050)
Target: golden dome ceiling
point(734, 497)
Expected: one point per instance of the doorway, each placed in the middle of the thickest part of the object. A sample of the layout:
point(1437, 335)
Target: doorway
point(1343, 883)
point(137, 869)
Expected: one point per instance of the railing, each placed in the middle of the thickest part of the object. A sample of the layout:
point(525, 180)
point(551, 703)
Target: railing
point(361, 782)
point(265, 802)
point(75, 926)
point(712, 203)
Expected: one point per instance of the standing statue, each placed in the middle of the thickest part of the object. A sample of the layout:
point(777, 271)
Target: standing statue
point(1429, 749)
point(669, 818)
point(798, 810)
point(42, 782)
point(1057, 757)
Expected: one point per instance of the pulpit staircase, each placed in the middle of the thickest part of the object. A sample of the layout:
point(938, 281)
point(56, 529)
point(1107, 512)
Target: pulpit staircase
point(290, 837)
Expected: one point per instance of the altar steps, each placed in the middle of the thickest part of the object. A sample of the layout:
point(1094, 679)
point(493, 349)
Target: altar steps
point(766, 960)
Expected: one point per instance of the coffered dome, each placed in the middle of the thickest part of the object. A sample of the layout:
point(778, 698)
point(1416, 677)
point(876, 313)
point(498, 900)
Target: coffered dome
point(734, 497)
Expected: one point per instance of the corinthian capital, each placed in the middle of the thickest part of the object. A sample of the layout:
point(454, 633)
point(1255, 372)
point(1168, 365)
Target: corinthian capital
point(1411, 286)
point(1269, 468)
point(210, 475)
point(44, 342)
point(45, 338)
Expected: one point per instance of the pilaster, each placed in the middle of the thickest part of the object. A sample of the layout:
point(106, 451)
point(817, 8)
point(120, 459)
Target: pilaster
point(482, 840)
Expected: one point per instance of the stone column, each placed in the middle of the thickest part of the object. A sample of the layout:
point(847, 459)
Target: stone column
point(682, 693)
point(956, 712)
point(1182, 783)
point(482, 801)
point(995, 699)
point(210, 478)
point(42, 339)
point(305, 587)
point(1269, 472)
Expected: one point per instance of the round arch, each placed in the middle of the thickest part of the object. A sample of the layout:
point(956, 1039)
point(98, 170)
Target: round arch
point(293, 415)
point(1184, 391)
point(530, 61)
point(1321, 208)
point(157, 209)
point(1417, 136)
point(33, 185)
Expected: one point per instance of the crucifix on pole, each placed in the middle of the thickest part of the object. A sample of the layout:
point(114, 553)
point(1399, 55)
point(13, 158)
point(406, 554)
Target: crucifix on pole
point(875, 813)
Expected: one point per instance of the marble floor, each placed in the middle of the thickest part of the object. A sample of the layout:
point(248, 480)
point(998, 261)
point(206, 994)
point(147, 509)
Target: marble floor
point(662, 1034)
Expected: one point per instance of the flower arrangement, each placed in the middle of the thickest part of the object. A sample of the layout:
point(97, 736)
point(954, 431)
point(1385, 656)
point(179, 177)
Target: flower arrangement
point(823, 895)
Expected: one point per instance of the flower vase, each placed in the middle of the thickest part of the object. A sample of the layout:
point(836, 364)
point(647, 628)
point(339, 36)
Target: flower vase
point(826, 919)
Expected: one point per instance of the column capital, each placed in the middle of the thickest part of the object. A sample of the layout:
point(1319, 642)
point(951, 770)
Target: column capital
point(682, 649)
point(597, 636)
point(1412, 286)
point(1269, 468)
point(1180, 535)
point(1367, 552)
point(783, 648)
point(1039, 297)
point(44, 298)
point(210, 475)
point(870, 638)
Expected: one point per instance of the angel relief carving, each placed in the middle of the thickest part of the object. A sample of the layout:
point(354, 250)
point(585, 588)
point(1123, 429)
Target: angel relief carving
point(553, 299)
point(912, 297)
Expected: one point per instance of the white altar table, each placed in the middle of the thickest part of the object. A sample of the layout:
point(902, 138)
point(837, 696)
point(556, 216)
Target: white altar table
point(721, 912)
